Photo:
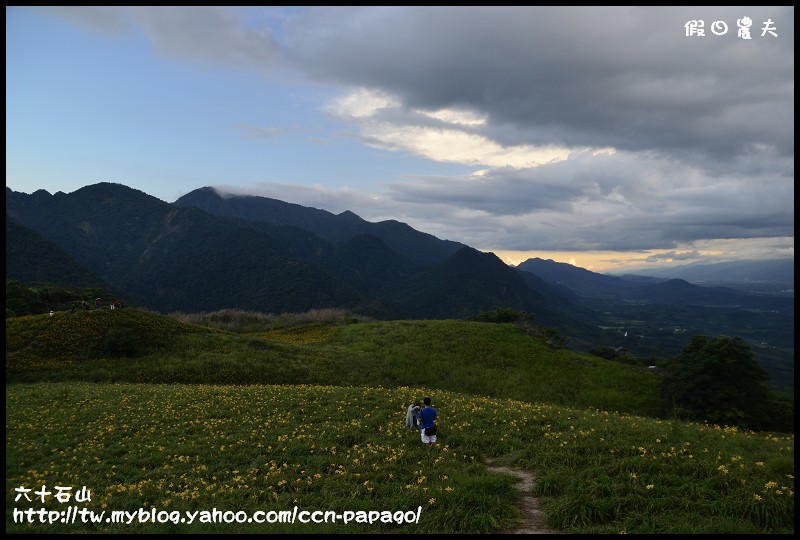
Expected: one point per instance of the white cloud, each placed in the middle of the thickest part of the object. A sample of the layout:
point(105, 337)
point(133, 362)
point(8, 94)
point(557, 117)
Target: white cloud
point(444, 135)
point(361, 103)
point(456, 116)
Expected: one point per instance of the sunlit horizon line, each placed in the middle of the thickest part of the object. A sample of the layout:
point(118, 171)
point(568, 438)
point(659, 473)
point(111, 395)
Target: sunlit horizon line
point(604, 262)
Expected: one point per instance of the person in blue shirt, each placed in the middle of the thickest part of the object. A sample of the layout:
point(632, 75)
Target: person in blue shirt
point(427, 423)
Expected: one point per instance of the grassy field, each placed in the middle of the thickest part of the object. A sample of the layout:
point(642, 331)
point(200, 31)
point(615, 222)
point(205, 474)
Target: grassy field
point(494, 360)
point(149, 412)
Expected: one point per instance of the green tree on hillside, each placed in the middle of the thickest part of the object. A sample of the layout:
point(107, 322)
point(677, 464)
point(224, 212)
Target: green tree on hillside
point(719, 380)
point(502, 315)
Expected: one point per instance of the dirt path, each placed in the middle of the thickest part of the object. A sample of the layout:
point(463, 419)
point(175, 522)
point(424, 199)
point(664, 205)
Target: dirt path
point(529, 505)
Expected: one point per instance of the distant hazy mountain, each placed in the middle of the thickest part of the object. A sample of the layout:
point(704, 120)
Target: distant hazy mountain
point(647, 289)
point(650, 315)
point(771, 270)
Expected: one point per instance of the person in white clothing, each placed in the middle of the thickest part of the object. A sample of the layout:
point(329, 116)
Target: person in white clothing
point(411, 415)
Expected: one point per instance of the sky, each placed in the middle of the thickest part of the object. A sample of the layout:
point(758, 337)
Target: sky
point(612, 138)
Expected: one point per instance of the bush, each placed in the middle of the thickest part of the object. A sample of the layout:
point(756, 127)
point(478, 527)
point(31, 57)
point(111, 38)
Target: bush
point(501, 315)
point(123, 340)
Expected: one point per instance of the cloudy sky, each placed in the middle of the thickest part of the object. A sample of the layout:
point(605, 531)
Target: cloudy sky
point(605, 137)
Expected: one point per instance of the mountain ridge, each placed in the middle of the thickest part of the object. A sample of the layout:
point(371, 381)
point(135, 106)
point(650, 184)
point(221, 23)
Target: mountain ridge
point(419, 247)
point(180, 257)
point(743, 271)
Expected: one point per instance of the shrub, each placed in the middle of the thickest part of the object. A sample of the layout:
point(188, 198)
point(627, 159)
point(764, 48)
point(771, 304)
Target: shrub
point(501, 315)
point(123, 340)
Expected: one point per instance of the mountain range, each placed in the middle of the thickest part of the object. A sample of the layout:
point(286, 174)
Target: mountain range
point(770, 276)
point(208, 251)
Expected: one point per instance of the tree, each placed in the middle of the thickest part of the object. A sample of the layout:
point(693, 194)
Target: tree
point(719, 380)
point(502, 315)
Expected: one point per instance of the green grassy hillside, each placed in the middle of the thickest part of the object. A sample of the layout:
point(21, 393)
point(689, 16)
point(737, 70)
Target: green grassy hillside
point(309, 414)
point(496, 360)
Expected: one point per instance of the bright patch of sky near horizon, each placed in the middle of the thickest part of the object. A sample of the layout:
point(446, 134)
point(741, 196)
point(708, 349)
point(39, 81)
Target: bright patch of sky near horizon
point(604, 137)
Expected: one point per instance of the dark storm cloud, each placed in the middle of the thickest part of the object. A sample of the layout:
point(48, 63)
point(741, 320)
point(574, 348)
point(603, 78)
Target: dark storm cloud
point(579, 76)
point(622, 201)
point(107, 20)
point(702, 128)
point(215, 35)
